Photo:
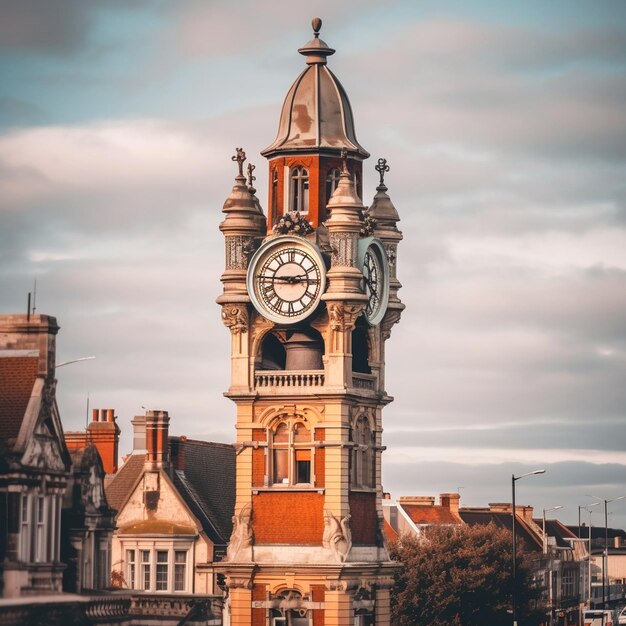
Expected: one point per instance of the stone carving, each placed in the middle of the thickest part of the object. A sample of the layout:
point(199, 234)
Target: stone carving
point(343, 316)
point(238, 250)
point(337, 536)
point(391, 250)
point(391, 317)
point(369, 225)
point(235, 316)
point(242, 536)
point(343, 249)
point(43, 453)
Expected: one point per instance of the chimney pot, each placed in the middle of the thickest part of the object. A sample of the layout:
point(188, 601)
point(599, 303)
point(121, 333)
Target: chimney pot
point(110, 415)
point(94, 415)
point(103, 414)
point(157, 430)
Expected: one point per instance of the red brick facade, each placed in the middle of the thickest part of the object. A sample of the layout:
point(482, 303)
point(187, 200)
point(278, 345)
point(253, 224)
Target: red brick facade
point(364, 519)
point(288, 517)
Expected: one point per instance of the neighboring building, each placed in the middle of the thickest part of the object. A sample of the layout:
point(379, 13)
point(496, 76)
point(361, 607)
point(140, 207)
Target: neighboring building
point(87, 524)
point(103, 433)
point(411, 514)
point(175, 500)
point(34, 461)
point(309, 314)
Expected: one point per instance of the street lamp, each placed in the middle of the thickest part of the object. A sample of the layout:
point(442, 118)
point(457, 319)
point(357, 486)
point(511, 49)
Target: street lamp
point(82, 358)
point(605, 555)
point(545, 539)
point(514, 479)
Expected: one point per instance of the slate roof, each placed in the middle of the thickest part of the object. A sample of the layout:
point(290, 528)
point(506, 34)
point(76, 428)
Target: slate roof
point(118, 488)
point(207, 481)
point(430, 514)
point(502, 519)
point(17, 378)
point(555, 529)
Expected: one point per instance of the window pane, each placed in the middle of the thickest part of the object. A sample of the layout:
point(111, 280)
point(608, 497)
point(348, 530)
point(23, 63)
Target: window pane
point(303, 471)
point(130, 569)
point(282, 433)
point(161, 570)
point(145, 569)
point(180, 564)
point(301, 433)
point(281, 466)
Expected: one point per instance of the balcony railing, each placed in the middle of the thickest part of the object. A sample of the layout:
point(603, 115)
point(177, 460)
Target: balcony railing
point(288, 379)
point(364, 381)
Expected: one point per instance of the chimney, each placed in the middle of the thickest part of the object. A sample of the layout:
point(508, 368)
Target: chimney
point(177, 452)
point(157, 427)
point(450, 501)
point(418, 500)
point(139, 433)
point(104, 434)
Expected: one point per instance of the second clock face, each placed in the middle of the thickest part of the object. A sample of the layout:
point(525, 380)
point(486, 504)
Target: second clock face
point(287, 280)
point(375, 271)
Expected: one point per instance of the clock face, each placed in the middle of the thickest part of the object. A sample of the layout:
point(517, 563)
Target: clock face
point(286, 279)
point(375, 280)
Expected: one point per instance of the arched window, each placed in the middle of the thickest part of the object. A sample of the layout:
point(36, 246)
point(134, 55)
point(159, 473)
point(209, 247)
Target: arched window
point(299, 189)
point(332, 180)
point(362, 465)
point(291, 453)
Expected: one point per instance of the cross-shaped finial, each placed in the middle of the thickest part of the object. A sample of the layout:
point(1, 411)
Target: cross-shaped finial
point(240, 157)
point(251, 178)
point(381, 167)
point(344, 161)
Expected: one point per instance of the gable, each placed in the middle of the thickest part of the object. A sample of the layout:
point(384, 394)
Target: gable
point(168, 506)
point(43, 450)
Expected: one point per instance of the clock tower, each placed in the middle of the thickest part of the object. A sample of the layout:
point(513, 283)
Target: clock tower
point(310, 297)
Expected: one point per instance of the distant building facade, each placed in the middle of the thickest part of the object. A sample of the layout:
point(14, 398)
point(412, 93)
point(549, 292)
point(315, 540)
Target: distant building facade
point(174, 499)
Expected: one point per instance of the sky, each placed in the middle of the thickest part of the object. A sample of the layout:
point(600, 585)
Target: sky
point(504, 125)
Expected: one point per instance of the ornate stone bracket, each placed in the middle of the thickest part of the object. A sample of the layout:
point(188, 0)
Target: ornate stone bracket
point(343, 316)
point(391, 317)
point(242, 536)
point(337, 536)
point(235, 317)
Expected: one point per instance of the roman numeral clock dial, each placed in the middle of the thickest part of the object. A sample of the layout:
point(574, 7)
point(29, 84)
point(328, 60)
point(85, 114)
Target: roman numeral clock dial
point(286, 279)
point(375, 268)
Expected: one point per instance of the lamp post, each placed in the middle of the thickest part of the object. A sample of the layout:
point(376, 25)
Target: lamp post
point(82, 358)
point(514, 479)
point(587, 508)
point(605, 553)
point(545, 539)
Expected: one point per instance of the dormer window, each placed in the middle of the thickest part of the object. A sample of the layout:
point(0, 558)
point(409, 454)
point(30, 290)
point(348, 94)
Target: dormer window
point(299, 189)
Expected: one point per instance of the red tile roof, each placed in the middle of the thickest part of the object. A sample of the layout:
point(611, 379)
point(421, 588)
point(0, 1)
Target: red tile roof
point(17, 378)
point(434, 514)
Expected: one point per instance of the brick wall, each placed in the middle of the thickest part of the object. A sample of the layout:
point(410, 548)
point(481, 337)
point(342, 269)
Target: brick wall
point(363, 520)
point(288, 517)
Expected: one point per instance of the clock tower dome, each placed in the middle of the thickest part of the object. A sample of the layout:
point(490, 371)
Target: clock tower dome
point(310, 297)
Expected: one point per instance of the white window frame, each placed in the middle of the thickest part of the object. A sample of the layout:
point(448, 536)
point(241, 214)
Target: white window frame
point(25, 527)
point(139, 546)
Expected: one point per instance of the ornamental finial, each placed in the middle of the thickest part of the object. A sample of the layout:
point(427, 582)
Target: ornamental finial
point(251, 178)
point(240, 157)
point(344, 161)
point(381, 167)
point(316, 23)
